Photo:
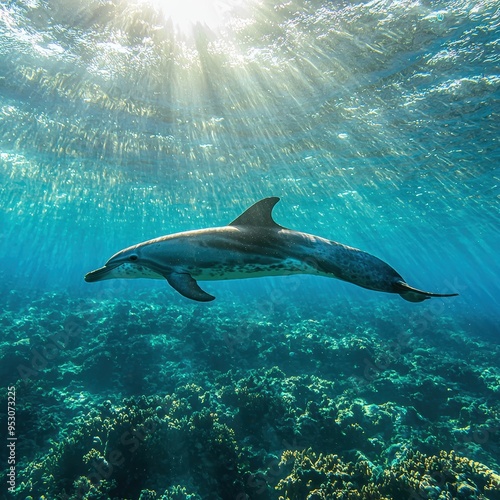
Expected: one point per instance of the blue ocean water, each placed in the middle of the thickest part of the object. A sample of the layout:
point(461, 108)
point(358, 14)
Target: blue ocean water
point(376, 123)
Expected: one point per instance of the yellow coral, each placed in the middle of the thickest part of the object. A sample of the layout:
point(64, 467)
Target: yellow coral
point(328, 477)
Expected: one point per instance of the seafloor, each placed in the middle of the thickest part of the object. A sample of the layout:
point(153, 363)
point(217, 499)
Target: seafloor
point(142, 399)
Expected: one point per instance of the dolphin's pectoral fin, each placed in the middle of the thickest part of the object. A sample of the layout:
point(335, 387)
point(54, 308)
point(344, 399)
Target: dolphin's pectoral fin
point(415, 295)
point(186, 285)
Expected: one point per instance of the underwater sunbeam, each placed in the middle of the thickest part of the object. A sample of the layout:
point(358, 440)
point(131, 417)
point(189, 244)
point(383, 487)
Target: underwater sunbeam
point(186, 14)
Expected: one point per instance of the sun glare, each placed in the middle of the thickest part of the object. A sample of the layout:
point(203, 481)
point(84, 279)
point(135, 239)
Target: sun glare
point(186, 14)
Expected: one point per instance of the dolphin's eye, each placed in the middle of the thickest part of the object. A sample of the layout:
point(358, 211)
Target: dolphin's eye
point(133, 257)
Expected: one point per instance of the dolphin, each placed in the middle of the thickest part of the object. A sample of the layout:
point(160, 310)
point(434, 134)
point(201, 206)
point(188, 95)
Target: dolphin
point(252, 246)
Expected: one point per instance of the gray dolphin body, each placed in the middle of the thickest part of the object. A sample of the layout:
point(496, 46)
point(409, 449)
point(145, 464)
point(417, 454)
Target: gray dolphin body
point(252, 246)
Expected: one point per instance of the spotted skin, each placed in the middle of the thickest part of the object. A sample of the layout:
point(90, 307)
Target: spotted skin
point(251, 246)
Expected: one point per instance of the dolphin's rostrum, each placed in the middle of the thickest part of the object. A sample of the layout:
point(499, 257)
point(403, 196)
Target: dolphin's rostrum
point(252, 246)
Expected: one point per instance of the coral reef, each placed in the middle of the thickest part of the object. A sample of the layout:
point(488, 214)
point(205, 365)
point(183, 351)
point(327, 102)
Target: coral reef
point(133, 400)
point(416, 476)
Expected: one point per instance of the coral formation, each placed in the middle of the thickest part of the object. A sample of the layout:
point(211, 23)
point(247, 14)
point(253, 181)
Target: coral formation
point(138, 400)
point(417, 476)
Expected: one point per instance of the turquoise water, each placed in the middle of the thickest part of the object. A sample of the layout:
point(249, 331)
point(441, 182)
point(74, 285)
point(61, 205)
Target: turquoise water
point(377, 125)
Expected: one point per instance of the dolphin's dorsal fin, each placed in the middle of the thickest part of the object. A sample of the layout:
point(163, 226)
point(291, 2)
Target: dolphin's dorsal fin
point(259, 215)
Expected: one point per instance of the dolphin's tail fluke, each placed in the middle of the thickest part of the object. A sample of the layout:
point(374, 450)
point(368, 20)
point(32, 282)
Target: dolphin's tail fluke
point(414, 294)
